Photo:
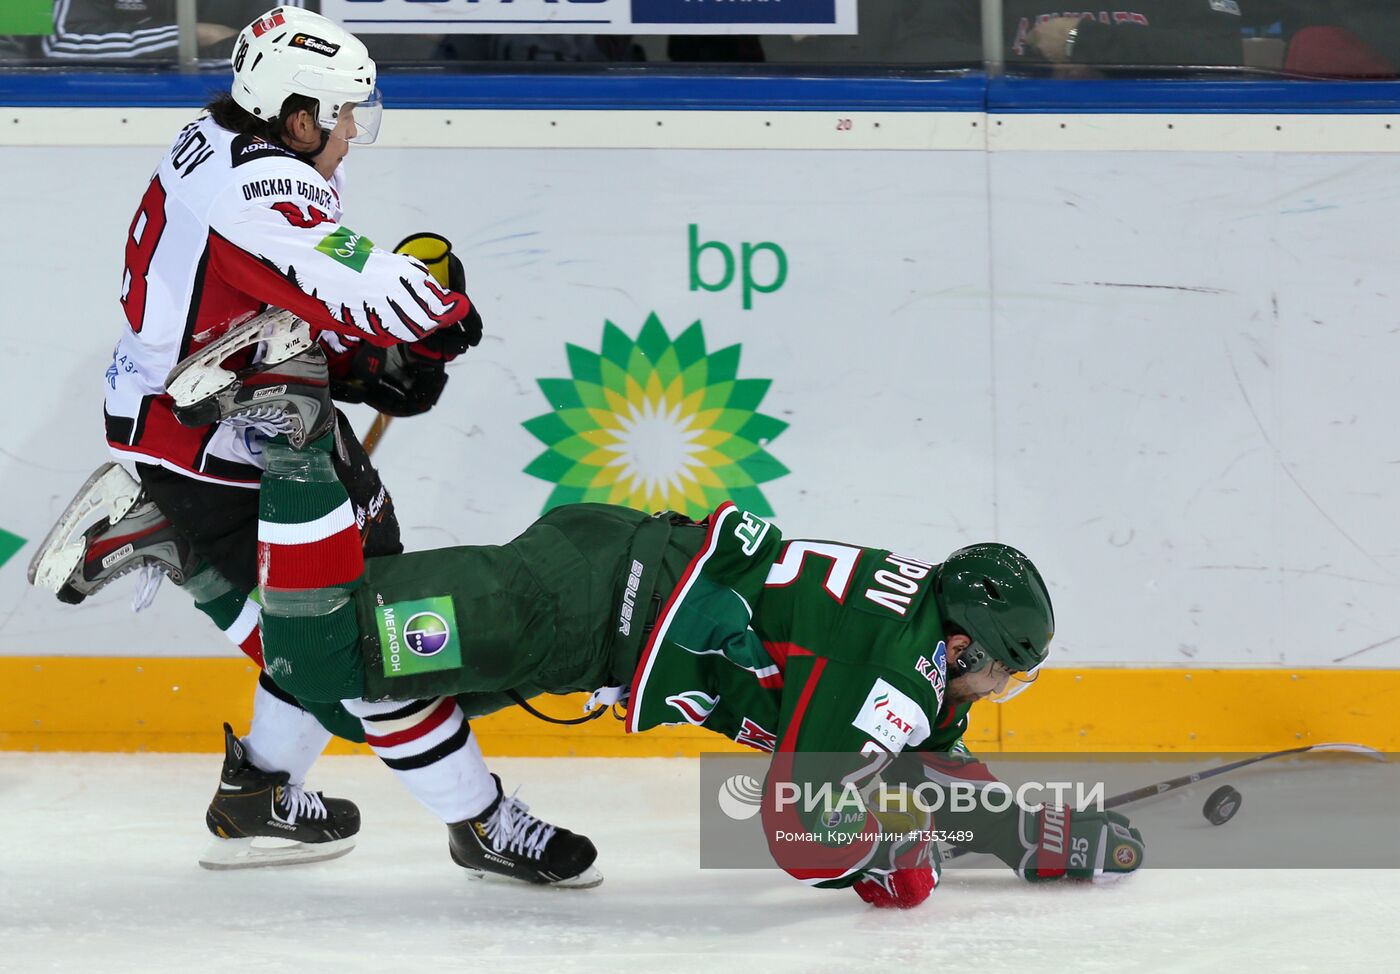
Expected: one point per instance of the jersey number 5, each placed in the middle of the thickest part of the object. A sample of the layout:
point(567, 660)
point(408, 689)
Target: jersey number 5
point(141, 241)
point(841, 565)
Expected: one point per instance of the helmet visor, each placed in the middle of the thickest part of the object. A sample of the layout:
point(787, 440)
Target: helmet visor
point(1007, 682)
point(361, 119)
point(1016, 683)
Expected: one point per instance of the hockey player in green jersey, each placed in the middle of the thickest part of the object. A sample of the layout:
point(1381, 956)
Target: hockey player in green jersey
point(789, 646)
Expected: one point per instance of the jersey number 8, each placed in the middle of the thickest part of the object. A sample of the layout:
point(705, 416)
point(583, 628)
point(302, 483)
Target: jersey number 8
point(141, 241)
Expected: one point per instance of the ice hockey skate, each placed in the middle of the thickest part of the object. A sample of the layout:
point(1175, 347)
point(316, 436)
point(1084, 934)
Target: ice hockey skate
point(81, 555)
point(286, 391)
point(258, 819)
point(506, 840)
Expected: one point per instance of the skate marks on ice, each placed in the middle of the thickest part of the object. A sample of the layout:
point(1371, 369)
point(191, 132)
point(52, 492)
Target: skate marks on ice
point(98, 873)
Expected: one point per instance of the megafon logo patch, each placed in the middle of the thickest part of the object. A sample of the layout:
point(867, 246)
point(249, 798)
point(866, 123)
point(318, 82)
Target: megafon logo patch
point(345, 246)
point(313, 43)
point(656, 424)
point(416, 636)
point(426, 634)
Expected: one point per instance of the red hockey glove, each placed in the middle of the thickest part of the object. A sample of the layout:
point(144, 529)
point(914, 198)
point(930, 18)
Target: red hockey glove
point(901, 889)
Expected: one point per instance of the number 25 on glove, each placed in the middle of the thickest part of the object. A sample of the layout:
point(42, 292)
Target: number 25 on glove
point(1059, 842)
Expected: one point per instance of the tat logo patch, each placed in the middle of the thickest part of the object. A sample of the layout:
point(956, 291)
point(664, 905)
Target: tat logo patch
point(418, 636)
point(891, 717)
point(695, 705)
point(656, 424)
point(347, 247)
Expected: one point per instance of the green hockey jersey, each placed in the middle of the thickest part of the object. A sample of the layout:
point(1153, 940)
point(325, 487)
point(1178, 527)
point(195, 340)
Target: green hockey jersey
point(799, 646)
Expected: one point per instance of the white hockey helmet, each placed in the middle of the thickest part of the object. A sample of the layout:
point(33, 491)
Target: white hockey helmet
point(291, 51)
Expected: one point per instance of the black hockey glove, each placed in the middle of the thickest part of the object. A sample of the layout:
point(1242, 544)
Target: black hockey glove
point(447, 343)
point(393, 380)
point(435, 253)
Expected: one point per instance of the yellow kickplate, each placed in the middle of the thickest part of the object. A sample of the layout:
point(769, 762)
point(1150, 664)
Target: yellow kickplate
point(70, 703)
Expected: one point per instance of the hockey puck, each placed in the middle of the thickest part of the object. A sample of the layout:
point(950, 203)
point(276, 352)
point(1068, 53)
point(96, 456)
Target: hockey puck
point(1222, 805)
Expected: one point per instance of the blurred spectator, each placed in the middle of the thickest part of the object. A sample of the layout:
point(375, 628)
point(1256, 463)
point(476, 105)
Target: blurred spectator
point(1330, 51)
point(88, 30)
point(715, 48)
point(915, 32)
point(539, 48)
point(1140, 33)
point(1339, 38)
point(13, 47)
point(1307, 37)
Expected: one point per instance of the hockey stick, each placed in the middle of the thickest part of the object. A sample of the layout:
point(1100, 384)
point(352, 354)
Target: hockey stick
point(1162, 787)
point(1172, 784)
point(376, 432)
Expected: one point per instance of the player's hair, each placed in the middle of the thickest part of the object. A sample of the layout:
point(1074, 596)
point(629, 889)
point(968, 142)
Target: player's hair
point(228, 114)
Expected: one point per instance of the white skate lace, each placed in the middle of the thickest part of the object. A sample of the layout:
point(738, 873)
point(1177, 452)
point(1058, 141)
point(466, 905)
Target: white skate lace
point(147, 585)
point(514, 829)
point(299, 802)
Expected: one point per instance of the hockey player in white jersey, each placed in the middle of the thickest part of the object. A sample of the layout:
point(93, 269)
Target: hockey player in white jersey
point(244, 214)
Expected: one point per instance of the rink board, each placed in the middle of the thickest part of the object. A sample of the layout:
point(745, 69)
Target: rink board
point(1154, 349)
point(1166, 376)
point(106, 704)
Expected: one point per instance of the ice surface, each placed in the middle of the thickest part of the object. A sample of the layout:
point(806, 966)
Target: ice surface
point(98, 873)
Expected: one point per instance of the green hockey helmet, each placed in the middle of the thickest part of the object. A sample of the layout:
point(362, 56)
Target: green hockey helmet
point(994, 594)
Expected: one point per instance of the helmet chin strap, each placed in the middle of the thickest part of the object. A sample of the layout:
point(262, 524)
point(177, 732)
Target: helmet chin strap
point(310, 157)
point(307, 157)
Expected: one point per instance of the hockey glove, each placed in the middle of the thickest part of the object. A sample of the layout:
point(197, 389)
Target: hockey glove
point(435, 253)
point(916, 863)
point(393, 380)
point(1055, 842)
point(901, 889)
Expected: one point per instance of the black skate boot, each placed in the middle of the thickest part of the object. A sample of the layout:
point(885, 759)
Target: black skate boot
point(287, 391)
point(75, 561)
point(506, 840)
point(258, 819)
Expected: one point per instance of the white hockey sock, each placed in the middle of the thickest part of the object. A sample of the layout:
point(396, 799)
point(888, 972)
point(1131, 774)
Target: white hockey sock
point(283, 736)
point(430, 747)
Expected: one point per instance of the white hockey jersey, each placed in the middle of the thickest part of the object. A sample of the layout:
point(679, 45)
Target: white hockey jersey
point(229, 226)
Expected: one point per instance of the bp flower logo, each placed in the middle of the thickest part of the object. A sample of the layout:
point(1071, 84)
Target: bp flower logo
point(656, 424)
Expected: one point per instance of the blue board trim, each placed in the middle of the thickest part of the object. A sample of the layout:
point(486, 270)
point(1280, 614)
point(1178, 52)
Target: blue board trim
point(644, 90)
point(1228, 96)
point(620, 92)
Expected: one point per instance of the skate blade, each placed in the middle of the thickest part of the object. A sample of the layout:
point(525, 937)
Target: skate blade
point(109, 492)
point(587, 879)
point(202, 374)
point(247, 854)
